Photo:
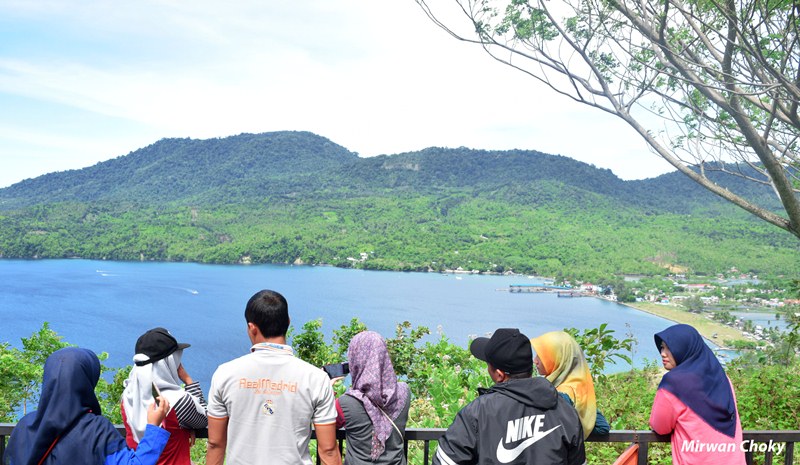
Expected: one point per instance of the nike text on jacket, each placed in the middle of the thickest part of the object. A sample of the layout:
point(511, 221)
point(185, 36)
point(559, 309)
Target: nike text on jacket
point(520, 421)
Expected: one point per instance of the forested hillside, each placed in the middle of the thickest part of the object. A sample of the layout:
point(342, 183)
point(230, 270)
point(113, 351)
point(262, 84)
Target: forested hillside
point(295, 197)
point(233, 169)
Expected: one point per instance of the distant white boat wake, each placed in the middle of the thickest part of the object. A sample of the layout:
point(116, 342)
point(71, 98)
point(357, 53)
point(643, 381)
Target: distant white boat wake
point(185, 289)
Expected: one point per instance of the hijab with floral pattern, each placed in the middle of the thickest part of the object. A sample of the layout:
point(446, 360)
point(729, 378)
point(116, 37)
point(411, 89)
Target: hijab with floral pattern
point(375, 384)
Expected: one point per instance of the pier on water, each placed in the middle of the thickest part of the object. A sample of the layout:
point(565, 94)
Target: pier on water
point(561, 291)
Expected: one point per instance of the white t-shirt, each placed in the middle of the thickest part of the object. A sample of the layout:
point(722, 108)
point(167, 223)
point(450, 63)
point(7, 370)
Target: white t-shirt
point(270, 399)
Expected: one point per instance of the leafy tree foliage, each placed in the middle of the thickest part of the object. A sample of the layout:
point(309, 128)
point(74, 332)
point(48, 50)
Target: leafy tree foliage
point(693, 304)
point(601, 346)
point(585, 239)
point(21, 373)
point(21, 370)
point(710, 86)
point(310, 344)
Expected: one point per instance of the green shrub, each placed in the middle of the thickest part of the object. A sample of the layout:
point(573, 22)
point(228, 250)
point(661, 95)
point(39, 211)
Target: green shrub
point(768, 396)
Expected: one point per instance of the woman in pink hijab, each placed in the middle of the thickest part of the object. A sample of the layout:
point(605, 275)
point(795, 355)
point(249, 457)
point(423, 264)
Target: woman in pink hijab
point(374, 410)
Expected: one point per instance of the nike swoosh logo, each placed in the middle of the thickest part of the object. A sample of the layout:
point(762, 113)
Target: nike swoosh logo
point(504, 455)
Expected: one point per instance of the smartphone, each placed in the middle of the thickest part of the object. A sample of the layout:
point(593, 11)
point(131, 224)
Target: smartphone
point(337, 370)
point(156, 392)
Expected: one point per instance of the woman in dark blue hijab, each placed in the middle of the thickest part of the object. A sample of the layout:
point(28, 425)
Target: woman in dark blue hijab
point(67, 427)
point(695, 402)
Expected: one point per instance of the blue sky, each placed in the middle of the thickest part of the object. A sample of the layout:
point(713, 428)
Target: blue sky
point(86, 81)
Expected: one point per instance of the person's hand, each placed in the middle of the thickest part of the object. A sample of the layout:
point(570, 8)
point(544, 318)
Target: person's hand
point(157, 412)
point(192, 438)
point(336, 380)
point(183, 375)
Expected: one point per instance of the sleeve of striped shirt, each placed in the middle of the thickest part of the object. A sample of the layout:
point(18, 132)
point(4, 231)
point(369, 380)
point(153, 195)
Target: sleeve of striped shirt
point(191, 408)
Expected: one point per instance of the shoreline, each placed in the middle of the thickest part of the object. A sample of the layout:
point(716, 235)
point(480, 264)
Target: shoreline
point(705, 326)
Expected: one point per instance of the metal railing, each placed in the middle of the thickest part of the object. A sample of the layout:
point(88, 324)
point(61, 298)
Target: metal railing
point(756, 441)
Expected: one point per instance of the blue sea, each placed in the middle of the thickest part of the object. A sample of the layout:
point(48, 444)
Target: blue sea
point(105, 306)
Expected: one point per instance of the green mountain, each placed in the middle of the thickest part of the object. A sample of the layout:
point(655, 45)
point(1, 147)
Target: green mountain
point(238, 168)
point(295, 197)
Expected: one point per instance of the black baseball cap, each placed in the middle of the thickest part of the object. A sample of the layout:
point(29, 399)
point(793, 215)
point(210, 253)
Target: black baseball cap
point(508, 350)
point(157, 344)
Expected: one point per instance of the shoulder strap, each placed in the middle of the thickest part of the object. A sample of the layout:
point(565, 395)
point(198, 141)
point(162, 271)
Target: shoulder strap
point(392, 422)
point(50, 449)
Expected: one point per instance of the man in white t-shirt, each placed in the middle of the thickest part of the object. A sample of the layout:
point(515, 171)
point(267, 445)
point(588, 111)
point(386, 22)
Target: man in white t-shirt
point(261, 406)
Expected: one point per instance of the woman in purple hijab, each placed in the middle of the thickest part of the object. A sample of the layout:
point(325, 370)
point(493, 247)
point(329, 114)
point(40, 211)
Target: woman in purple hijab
point(374, 410)
point(695, 402)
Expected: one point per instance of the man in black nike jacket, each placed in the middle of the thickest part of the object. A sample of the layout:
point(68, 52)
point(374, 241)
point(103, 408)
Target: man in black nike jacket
point(519, 420)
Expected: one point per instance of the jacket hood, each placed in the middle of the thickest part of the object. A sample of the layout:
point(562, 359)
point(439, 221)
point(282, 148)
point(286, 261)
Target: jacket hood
point(535, 392)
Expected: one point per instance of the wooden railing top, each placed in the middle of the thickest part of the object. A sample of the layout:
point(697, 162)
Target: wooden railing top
point(626, 436)
point(641, 437)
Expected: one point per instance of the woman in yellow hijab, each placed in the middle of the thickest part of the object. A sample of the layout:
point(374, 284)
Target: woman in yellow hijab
point(561, 360)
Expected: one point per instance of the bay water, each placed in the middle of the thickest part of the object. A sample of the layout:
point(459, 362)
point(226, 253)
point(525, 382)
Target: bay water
point(105, 306)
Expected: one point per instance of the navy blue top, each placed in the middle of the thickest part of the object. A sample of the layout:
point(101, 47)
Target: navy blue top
point(67, 427)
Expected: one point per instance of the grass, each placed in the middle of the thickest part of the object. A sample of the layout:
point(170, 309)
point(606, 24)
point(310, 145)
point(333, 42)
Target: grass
point(705, 326)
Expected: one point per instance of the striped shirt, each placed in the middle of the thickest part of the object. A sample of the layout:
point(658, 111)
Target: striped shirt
point(191, 408)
